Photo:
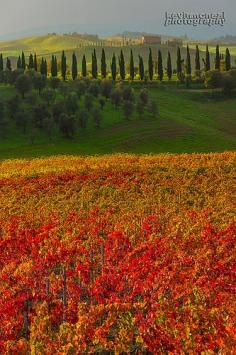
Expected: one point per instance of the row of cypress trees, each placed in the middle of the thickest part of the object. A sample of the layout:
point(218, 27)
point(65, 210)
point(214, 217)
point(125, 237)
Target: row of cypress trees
point(43, 67)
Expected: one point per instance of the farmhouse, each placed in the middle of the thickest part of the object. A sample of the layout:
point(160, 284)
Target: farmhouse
point(151, 39)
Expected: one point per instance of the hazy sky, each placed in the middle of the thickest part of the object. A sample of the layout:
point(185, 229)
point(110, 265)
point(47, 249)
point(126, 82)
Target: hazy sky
point(107, 16)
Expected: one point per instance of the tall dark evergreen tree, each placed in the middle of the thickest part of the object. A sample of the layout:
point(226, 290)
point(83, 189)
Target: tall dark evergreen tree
point(23, 64)
point(131, 65)
point(103, 64)
point(169, 67)
point(19, 66)
point(179, 64)
point(84, 67)
point(217, 58)
point(1, 62)
point(42, 68)
point(35, 62)
point(53, 66)
point(113, 67)
point(227, 60)
point(63, 65)
point(122, 65)
point(188, 62)
point(45, 68)
point(160, 66)
point(74, 67)
point(31, 61)
point(8, 64)
point(141, 68)
point(197, 60)
point(150, 65)
point(94, 65)
point(207, 61)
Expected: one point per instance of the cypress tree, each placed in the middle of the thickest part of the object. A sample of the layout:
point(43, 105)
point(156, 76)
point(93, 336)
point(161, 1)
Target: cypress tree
point(74, 67)
point(1, 62)
point(188, 62)
point(217, 59)
point(207, 61)
point(53, 66)
point(19, 66)
point(63, 65)
point(169, 66)
point(42, 69)
point(179, 63)
point(160, 66)
point(150, 65)
point(84, 67)
point(131, 68)
point(23, 60)
point(8, 64)
point(45, 68)
point(103, 64)
point(94, 65)
point(35, 62)
point(227, 60)
point(197, 59)
point(113, 67)
point(122, 65)
point(141, 68)
point(31, 61)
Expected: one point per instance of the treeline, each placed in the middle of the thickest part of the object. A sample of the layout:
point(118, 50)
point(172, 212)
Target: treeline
point(119, 67)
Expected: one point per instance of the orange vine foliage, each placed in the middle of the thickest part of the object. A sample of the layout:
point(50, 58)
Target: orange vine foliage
point(118, 254)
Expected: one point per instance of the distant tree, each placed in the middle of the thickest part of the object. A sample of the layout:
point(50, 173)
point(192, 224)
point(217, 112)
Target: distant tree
point(122, 65)
point(179, 64)
point(71, 103)
point(84, 67)
point(188, 62)
point(83, 118)
point(113, 67)
point(97, 116)
point(141, 68)
point(3, 120)
point(1, 63)
point(227, 60)
point(19, 65)
point(31, 61)
point(8, 64)
point(39, 82)
point(128, 108)
point(40, 113)
point(12, 105)
point(102, 103)
point(67, 125)
point(43, 69)
point(152, 108)
point(53, 66)
point(169, 67)
point(207, 60)
point(48, 95)
point(23, 61)
point(116, 97)
point(140, 108)
point(160, 66)
point(63, 65)
point(21, 119)
point(74, 67)
point(48, 126)
point(150, 65)
point(197, 60)
point(217, 58)
point(94, 89)
point(88, 101)
point(55, 83)
point(94, 65)
point(106, 88)
point(131, 67)
point(35, 62)
point(103, 64)
point(128, 93)
point(23, 84)
point(143, 97)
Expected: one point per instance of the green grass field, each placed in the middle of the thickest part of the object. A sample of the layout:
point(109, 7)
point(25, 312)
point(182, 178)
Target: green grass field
point(188, 121)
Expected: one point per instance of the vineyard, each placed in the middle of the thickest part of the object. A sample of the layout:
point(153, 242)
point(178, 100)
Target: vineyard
point(118, 254)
